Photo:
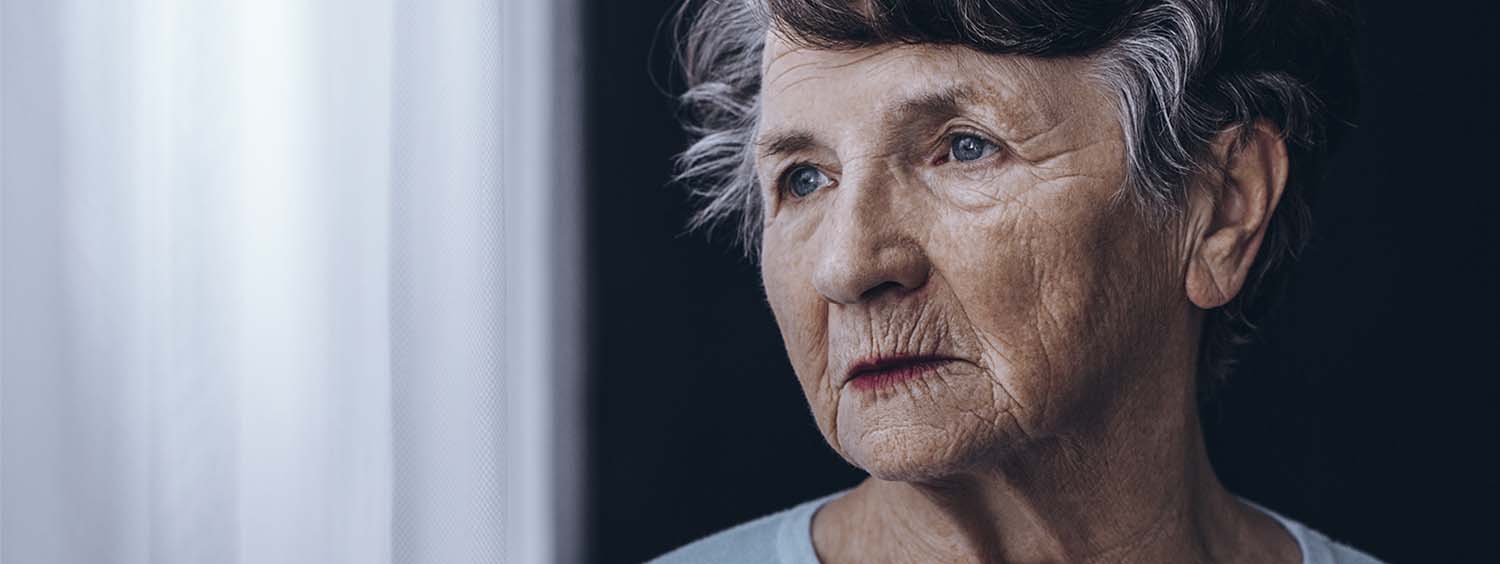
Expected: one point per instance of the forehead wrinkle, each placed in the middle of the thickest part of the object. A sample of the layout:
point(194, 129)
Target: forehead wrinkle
point(874, 51)
point(773, 39)
point(781, 89)
point(793, 68)
point(777, 47)
point(1007, 93)
point(812, 76)
point(864, 53)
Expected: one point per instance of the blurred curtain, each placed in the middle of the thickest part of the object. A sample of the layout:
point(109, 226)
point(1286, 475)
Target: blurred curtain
point(287, 281)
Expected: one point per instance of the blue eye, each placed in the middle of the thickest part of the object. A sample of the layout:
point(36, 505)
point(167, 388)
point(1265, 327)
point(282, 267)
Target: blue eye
point(966, 148)
point(802, 180)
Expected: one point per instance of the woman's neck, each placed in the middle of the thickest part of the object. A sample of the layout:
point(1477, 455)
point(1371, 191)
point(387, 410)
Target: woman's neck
point(1144, 495)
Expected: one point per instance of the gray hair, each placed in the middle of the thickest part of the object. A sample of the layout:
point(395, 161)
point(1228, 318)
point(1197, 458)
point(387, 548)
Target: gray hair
point(1183, 70)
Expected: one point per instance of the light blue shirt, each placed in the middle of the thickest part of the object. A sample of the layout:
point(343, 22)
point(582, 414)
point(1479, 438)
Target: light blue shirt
point(786, 538)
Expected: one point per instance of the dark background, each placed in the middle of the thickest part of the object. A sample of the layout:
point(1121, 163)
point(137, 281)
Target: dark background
point(1363, 411)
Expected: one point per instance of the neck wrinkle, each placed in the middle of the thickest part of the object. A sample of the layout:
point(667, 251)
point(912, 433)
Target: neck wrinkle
point(1152, 497)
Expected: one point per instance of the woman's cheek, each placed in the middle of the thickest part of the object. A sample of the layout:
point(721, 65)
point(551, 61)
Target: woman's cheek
point(802, 316)
point(976, 188)
point(795, 305)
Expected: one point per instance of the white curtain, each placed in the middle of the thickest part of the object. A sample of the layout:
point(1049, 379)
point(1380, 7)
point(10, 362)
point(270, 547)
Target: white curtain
point(288, 281)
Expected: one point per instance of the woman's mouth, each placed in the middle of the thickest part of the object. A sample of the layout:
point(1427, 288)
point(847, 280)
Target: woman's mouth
point(874, 373)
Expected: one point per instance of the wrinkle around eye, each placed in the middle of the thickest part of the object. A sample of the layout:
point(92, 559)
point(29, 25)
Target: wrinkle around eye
point(975, 189)
point(1072, 150)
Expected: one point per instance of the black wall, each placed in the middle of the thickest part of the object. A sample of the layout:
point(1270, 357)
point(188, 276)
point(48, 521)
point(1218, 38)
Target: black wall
point(1364, 411)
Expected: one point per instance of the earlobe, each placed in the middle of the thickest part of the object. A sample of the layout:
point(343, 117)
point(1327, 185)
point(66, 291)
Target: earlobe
point(1229, 226)
point(1203, 287)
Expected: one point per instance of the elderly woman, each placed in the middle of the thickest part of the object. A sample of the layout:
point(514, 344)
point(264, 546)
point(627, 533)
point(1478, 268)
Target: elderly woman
point(1008, 243)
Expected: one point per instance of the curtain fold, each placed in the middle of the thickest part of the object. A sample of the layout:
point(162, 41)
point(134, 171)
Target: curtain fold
point(278, 282)
point(448, 284)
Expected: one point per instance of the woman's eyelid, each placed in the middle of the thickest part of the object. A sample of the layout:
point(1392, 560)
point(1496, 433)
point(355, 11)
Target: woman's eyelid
point(988, 139)
point(968, 126)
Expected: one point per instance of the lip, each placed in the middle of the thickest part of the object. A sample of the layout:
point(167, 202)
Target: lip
point(881, 371)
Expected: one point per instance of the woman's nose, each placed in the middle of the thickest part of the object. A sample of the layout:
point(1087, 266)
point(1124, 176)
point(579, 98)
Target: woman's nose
point(867, 249)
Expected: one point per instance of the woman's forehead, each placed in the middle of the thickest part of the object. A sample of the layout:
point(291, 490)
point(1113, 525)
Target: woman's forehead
point(895, 82)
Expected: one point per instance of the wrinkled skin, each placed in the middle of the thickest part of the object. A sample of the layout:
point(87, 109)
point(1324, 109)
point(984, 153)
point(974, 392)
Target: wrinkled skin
point(1071, 318)
point(1021, 264)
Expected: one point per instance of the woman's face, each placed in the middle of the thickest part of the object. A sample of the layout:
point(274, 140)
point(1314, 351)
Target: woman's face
point(946, 253)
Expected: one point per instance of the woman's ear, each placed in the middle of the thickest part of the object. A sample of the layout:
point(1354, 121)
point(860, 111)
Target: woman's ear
point(1226, 227)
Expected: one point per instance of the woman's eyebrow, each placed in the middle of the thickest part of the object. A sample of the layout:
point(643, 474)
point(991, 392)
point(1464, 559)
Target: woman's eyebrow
point(942, 103)
point(783, 142)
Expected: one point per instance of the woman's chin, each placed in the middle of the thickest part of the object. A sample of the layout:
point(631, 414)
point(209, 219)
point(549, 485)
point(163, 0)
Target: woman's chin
point(918, 451)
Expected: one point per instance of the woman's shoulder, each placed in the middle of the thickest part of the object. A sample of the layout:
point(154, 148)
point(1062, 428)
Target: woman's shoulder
point(783, 537)
point(1316, 547)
